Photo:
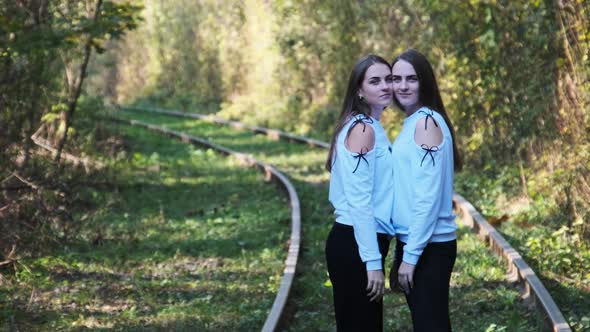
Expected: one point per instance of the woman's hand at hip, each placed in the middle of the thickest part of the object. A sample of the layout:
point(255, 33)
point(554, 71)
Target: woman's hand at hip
point(405, 276)
point(376, 284)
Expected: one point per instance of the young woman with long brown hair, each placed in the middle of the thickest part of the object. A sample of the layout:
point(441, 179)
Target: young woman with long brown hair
point(361, 163)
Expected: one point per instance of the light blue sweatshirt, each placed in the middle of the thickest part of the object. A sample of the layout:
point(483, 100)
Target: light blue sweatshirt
point(361, 187)
point(423, 181)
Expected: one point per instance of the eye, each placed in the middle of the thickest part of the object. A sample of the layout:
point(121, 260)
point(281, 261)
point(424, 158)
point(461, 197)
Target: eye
point(389, 79)
point(397, 79)
point(412, 79)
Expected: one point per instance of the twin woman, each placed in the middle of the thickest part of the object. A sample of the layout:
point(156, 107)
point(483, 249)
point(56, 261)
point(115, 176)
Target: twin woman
point(381, 190)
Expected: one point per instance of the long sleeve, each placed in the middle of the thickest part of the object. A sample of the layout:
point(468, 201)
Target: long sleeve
point(427, 175)
point(359, 172)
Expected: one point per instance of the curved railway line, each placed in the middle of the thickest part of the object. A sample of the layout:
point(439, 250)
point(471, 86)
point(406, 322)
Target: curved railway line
point(271, 173)
point(532, 289)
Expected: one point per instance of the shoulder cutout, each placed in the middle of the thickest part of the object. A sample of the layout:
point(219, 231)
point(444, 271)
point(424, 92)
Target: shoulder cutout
point(428, 132)
point(360, 139)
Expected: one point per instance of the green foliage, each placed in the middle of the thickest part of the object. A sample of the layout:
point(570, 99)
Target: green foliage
point(563, 252)
point(184, 55)
point(39, 42)
point(514, 76)
point(508, 70)
point(177, 242)
point(540, 229)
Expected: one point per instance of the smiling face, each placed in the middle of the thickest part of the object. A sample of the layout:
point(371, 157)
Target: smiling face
point(376, 86)
point(406, 86)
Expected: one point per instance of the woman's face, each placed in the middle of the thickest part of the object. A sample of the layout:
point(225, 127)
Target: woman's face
point(376, 86)
point(406, 85)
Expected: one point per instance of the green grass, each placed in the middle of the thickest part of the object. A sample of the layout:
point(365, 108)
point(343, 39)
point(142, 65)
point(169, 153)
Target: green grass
point(570, 290)
point(188, 241)
point(481, 298)
point(537, 229)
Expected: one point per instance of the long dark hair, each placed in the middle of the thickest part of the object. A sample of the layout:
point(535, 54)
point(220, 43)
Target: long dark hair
point(429, 94)
point(353, 105)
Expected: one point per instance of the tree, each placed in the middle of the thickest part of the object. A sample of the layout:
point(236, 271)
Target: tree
point(34, 36)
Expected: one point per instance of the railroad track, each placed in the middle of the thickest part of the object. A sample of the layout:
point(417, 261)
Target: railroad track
point(532, 289)
point(271, 173)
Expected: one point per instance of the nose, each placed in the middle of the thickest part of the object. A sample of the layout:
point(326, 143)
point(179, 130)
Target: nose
point(404, 85)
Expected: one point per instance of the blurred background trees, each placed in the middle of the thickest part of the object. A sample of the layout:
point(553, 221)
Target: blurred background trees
point(45, 48)
point(515, 76)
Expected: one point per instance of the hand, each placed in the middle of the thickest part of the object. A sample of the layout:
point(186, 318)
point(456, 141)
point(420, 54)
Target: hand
point(375, 285)
point(405, 277)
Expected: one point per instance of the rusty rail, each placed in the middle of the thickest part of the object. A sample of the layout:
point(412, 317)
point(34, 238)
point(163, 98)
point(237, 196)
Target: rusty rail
point(272, 133)
point(271, 173)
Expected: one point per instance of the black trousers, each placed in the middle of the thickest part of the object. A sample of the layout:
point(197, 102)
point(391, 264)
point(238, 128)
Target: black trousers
point(429, 298)
point(348, 274)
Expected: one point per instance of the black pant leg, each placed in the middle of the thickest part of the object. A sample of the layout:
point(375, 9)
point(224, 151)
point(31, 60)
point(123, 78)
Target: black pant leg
point(429, 298)
point(353, 310)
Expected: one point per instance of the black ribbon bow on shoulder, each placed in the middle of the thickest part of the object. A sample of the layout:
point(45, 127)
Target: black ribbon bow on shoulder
point(361, 155)
point(363, 120)
point(428, 115)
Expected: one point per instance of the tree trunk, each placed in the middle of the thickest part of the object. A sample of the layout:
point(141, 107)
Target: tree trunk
point(75, 87)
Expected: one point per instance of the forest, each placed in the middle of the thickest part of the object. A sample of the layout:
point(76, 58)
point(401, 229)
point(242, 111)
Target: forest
point(514, 75)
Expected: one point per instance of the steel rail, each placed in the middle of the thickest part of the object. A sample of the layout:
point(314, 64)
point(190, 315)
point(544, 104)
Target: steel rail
point(272, 133)
point(274, 317)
